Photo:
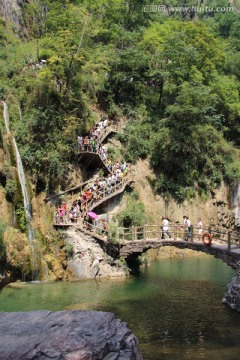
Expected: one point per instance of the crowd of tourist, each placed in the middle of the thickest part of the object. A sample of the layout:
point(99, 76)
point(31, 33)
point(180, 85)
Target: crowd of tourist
point(94, 192)
point(37, 65)
point(186, 225)
point(75, 215)
point(90, 142)
point(99, 187)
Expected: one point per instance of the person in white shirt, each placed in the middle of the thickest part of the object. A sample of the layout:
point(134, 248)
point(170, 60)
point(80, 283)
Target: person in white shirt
point(113, 180)
point(124, 166)
point(100, 125)
point(109, 179)
point(187, 224)
point(165, 227)
point(105, 123)
point(200, 228)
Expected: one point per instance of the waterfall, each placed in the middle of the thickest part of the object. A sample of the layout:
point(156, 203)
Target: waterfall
point(23, 182)
point(6, 117)
point(21, 175)
point(26, 201)
point(20, 112)
point(236, 204)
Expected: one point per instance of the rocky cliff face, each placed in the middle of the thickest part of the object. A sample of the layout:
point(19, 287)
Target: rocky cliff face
point(215, 210)
point(88, 260)
point(219, 209)
point(11, 10)
point(85, 335)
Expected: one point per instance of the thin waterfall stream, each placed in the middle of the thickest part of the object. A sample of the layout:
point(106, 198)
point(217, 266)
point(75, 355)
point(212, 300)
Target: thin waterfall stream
point(236, 204)
point(6, 116)
point(26, 201)
point(20, 112)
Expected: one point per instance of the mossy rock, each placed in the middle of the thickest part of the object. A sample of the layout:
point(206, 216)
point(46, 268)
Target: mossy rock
point(56, 271)
point(49, 258)
point(17, 249)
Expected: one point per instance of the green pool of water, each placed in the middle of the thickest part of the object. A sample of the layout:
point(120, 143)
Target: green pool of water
point(174, 307)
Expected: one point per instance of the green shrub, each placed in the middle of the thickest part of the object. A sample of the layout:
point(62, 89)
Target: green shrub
point(134, 213)
point(113, 232)
point(136, 140)
point(11, 189)
point(69, 249)
point(21, 218)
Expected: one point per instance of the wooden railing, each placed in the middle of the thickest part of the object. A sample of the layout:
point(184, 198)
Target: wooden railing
point(155, 232)
point(231, 237)
point(115, 128)
point(71, 190)
point(98, 141)
point(92, 149)
point(95, 228)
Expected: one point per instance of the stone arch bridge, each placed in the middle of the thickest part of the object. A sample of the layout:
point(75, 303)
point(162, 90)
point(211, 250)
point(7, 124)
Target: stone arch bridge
point(132, 249)
point(225, 244)
point(135, 241)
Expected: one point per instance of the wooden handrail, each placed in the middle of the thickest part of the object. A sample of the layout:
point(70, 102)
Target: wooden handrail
point(108, 130)
point(150, 232)
point(69, 190)
point(80, 223)
point(153, 232)
point(89, 150)
point(112, 128)
point(98, 141)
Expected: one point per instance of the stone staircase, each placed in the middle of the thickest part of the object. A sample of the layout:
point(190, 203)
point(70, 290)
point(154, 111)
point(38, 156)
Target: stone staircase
point(117, 189)
point(90, 157)
point(113, 128)
point(89, 154)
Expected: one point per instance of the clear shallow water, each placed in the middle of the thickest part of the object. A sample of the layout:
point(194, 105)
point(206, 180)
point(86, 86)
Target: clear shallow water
point(174, 307)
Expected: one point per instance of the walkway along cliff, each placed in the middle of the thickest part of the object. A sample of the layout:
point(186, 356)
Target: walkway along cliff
point(93, 156)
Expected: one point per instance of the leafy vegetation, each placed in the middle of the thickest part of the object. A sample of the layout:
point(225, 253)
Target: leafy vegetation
point(134, 212)
point(174, 75)
point(68, 248)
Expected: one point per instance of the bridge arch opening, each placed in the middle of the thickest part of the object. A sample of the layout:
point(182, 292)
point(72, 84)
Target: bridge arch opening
point(134, 249)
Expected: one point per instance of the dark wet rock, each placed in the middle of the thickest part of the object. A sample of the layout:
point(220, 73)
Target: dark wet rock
point(70, 335)
point(232, 296)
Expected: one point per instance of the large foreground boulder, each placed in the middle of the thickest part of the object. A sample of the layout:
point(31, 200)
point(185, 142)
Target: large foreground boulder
point(70, 335)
